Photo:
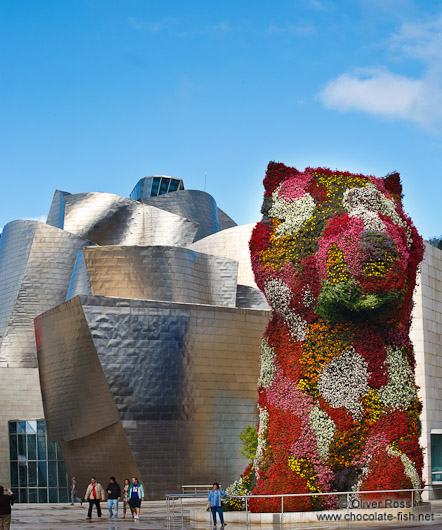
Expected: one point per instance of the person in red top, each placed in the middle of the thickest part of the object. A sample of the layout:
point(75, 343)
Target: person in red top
point(94, 494)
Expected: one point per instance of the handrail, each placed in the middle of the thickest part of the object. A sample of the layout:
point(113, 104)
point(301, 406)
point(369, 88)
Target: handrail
point(171, 497)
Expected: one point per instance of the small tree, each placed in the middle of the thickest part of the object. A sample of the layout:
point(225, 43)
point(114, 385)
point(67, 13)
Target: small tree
point(249, 439)
point(436, 242)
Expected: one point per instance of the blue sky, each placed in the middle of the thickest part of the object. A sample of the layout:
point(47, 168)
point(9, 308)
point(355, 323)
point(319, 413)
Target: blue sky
point(96, 94)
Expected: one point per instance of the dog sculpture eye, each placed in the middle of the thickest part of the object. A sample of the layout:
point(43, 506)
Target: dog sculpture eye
point(336, 258)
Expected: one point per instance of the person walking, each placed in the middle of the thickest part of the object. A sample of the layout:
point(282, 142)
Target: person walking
point(74, 488)
point(136, 495)
point(113, 496)
point(215, 506)
point(6, 501)
point(125, 496)
point(94, 494)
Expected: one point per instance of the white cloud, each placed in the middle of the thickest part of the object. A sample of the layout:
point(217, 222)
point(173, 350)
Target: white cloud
point(386, 94)
point(383, 93)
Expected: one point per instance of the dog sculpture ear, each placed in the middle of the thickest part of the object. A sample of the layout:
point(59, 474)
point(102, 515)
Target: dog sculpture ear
point(275, 174)
point(393, 185)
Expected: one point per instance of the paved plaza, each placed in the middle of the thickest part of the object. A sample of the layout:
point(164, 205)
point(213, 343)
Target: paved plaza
point(154, 517)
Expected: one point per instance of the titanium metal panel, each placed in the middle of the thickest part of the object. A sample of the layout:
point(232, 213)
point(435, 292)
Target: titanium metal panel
point(232, 243)
point(250, 297)
point(56, 211)
point(36, 262)
point(225, 221)
point(155, 273)
point(182, 378)
point(198, 206)
point(108, 219)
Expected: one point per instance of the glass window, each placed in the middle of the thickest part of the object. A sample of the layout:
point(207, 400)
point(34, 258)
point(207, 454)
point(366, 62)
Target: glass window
point(21, 447)
point(173, 185)
point(14, 474)
point(33, 495)
point(52, 451)
point(23, 474)
point(41, 447)
point(21, 427)
point(53, 495)
point(436, 457)
point(63, 495)
point(13, 447)
point(41, 427)
point(62, 474)
point(52, 473)
point(155, 186)
point(32, 447)
point(33, 477)
point(42, 475)
point(164, 186)
point(31, 427)
point(42, 495)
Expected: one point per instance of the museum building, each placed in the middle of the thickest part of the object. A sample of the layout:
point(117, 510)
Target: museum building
point(130, 331)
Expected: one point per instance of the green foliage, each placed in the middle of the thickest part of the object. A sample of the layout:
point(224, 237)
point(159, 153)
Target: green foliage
point(344, 301)
point(249, 439)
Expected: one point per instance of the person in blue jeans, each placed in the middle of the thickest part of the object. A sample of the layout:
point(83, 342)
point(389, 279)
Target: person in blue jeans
point(113, 496)
point(215, 503)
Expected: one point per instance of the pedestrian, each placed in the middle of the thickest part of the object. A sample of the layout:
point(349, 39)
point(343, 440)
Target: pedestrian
point(125, 495)
point(6, 501)
point(74, 488)
point(136, 495)
point(215, 506)
point(113, 496)
point(94, 494)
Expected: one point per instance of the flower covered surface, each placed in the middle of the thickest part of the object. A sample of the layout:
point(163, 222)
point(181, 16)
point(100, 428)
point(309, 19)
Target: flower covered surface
point(337, 259)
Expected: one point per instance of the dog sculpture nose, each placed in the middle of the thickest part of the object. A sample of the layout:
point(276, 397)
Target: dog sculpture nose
point(379, 253)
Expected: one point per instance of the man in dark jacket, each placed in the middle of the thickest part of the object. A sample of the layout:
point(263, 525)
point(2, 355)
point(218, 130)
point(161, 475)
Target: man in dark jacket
point(113, 496)
point(6, 501)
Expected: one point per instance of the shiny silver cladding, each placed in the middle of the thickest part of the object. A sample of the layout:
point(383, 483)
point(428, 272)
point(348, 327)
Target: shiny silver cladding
point(155, 273)
point(196, 205)
point(180, 378)
point(36, 262)
point(108, 219)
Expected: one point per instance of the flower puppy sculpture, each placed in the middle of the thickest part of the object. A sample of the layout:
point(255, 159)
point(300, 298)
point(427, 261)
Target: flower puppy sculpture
point(337, 259)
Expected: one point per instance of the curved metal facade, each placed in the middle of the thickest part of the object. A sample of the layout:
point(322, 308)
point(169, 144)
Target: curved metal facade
point(232, 243)
point(180, 379)
point(196, 205)
point(155, 273)
point(108, 219)
point(36, 262)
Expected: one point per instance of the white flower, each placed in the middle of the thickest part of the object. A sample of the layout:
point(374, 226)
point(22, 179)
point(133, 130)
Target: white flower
point(324, 428)
point(409, 468)
point(263, 426)
point(294, 213)
point(367, 202)
point(267, 363)
point(343, 381)
point(279, 295)
point(307, 296)
point(400, 390)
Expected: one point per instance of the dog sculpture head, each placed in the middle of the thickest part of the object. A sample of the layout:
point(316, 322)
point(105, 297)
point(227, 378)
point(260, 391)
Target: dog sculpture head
point(347, 234)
